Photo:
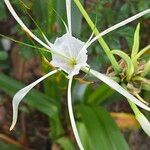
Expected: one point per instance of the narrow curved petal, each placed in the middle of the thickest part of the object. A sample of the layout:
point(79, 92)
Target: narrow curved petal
point(22, 93)
point(14, 14)
point(86, 44)
point(75, 71)
point(47, 41)
point(116, 87)
point(66, 27)
point(143, 121)
point(145, 124)
point(68, 9)
point(71, 115)
point(122, 23)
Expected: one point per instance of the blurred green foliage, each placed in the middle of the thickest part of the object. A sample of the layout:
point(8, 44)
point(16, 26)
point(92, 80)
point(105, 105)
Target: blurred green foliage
point(6, 146)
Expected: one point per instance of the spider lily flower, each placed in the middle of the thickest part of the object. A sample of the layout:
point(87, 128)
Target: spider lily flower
point(69, 54)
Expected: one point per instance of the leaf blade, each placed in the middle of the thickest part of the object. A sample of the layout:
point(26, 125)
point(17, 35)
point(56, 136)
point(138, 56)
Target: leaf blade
point(101, 129)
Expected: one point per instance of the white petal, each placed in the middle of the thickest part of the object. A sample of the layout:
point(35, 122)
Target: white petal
point(61, 63)
point(75, 71)
point(68, 9)
point(22, 93)
point(116, 87)
point(82, 57)
point(84, 48)
point(68, 45)
point(61, 45)
point(145, 124)
point(12, 11)
point(71, 115)
point(47, 41)
point(119, 25)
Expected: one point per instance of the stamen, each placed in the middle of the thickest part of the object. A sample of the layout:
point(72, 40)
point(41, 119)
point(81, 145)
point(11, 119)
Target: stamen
point(73, 62)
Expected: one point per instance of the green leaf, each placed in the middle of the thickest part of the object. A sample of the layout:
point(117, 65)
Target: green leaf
point(85, 137)
point(27, 52)
point(2, 11)
point(3, 55)
point(65, 143)
point(143, 5)
point(91, 122)
point(6, 146)
point(79, 91)
point(61, 10)
point(126, 32)
point(43, 11)
point(102, 132)
point(35, 98)
point(136, 44)
point(124, 11)
point(142, 52)
point(126, 58)
point(100, 94)
point(77, 22)
point(115, 137)
point(56, 127)
point(146, 70)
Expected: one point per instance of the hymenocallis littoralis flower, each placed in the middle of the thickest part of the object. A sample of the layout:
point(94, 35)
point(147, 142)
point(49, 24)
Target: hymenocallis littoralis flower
point(69, 54)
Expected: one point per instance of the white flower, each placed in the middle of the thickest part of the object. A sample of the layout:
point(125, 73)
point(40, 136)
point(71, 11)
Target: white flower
point(70, 55)
point(75, 57)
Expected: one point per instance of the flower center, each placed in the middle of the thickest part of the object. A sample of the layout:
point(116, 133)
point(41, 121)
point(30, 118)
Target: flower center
point(72, 62)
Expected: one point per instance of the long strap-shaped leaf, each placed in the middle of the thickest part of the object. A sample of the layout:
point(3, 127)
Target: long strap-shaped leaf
point(98, 129)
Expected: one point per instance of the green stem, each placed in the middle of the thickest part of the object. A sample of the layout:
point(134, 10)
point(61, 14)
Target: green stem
point(100, 40)
point(134, 108)
point(146, 69)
